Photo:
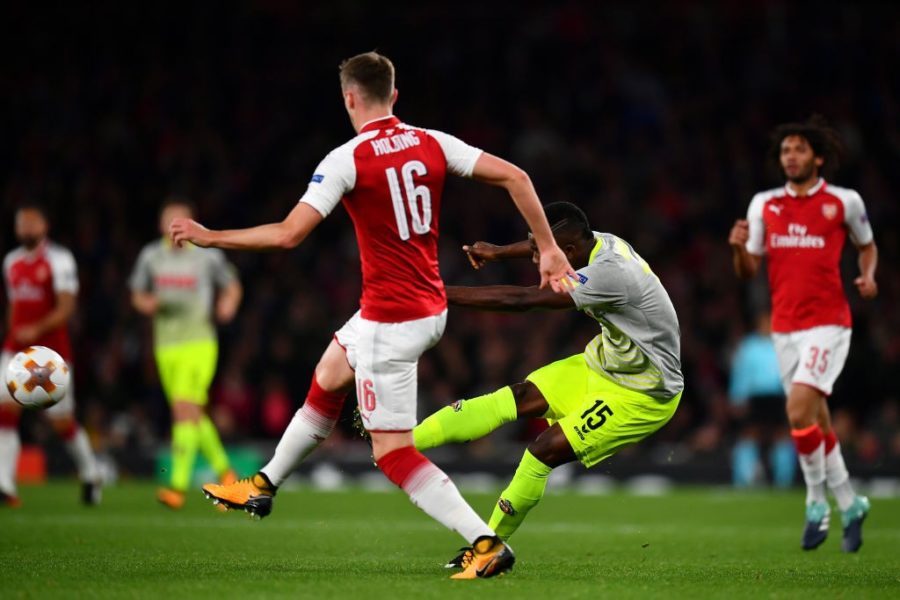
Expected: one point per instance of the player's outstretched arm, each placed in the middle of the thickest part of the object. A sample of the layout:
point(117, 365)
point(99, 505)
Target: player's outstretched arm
point(746, 265)
point(481, 253)
point(868, 262)
point(554, 266)
point(272, 236)
point(508, 298)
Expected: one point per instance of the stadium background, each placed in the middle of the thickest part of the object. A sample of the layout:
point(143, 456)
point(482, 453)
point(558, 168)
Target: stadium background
point(653, 119)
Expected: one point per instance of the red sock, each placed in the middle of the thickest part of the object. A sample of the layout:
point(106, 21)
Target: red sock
point(401, 464)
point(68, 430)
point(328, 404)
point(830, 441)
point(806, 440)
point(9, 417)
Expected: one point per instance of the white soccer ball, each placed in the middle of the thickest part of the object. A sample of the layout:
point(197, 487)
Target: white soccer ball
point(37, 377)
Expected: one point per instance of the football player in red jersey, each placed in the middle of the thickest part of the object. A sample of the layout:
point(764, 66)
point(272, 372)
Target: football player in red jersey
point(41, 289)
point(390, 178)
point(801, 227)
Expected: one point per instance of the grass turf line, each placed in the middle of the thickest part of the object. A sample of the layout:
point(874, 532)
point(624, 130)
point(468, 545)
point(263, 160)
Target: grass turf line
point(695, 543)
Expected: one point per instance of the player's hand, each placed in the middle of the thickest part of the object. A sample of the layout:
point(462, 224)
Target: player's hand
point(867, 287)
point(188, 230)
point(27, 334)
point(556, 271)
point(740, 233)
point(149, 304)
point(480, 253)
point(225, 310)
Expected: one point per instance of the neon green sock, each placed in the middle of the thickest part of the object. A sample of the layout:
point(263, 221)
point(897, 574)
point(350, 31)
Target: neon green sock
point(211, 446)
point(466, 420)
point(185, 440)
point(523, 493)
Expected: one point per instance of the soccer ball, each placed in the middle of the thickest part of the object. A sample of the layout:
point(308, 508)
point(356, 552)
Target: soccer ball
point(37, 377)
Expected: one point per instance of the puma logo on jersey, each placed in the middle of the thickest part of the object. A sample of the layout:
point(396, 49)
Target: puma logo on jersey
point(775, 208)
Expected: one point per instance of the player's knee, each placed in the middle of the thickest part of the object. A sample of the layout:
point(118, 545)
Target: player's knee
point(552, 448)
point(530, 402)
point(800, 417)
point(803, 407)
point(183, 411)
point(383, 443)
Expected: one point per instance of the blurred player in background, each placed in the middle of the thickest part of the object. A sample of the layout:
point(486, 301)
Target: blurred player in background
point(757, 400)
point(390, 178)
point(179, 287)
point(41, 291)
point(801, 227)
point(624, 386)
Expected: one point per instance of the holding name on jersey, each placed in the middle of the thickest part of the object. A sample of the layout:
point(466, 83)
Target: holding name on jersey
point(37, 377)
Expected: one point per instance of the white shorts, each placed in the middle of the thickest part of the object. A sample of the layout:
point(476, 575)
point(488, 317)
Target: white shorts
point(385, 357)
point(62, 409)
point(814, 357)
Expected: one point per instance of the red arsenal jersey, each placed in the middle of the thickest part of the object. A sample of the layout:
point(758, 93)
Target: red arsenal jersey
point(390, 178)
point(803, 237)
point(33, 279)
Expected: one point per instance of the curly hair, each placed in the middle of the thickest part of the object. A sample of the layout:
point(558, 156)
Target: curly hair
point(822, 138)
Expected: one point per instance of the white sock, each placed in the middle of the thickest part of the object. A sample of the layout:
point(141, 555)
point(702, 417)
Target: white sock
point(305, 432)
point(838, 478)
point(430, 489)
point(80, 450)
point(813, 467)
point(9, 459)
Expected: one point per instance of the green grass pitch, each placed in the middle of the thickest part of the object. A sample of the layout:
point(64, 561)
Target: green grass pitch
point(695, 543)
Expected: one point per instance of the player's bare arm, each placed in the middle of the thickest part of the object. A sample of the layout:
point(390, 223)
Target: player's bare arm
point(286, 234)
point(868, 262)
point(228, 301)
point(746, 265)
point(481, 253)
point(145, 303)
point(58, 317)
point(508, 298)
point(554, 267)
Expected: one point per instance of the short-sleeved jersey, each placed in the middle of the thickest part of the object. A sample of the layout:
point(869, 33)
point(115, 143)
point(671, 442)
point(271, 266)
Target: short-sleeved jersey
point(185, 282)
point(639, 347)
point(803, 238)
point(391, 179)
point(33, 278)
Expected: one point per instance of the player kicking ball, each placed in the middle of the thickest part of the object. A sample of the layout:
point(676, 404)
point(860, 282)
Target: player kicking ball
point(390, 178)
point(624, 386)
point(801, 227)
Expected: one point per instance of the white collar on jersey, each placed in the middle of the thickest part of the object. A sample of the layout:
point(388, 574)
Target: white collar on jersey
point(810, 192)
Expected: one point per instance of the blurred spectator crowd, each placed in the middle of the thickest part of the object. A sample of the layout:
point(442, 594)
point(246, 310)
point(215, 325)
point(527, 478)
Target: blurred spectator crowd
point(654, 120)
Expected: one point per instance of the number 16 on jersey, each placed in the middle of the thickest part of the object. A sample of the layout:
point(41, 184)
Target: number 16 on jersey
point(419, 216)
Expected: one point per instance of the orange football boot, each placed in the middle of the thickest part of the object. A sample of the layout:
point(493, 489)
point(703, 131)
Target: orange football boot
point(171, 498)
point(252, 494)
point(490, 557)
